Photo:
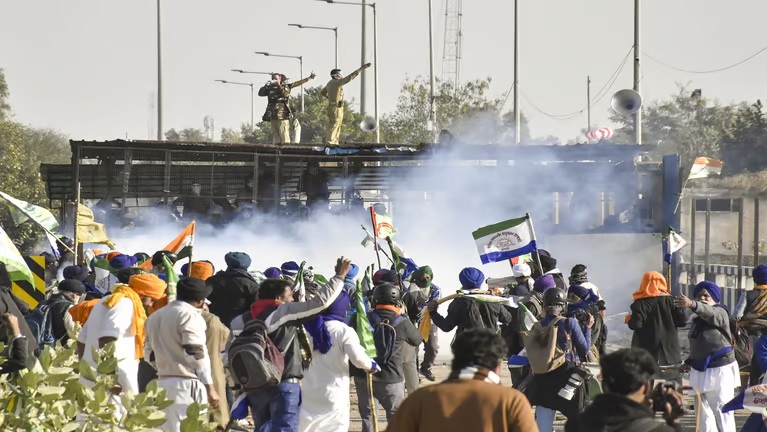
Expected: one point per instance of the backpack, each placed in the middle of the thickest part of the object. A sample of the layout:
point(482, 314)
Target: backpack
point(534, 303)
point(384, 337)
point(254, 359)
point(41, 325)
point(543, 351)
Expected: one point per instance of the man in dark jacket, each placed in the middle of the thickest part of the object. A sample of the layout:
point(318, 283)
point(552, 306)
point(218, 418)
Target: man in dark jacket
point(626, 378)
point(655, 319)
point(276, 408)
point(9, 303)
point(234, 289)
point(69, 292)
point(423, 278)
point(389, 384)
point(465, 313)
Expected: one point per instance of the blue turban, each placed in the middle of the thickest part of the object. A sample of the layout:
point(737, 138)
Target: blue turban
point(471, 278)
point(760, 274)
point(76, 272)
point(543, 283)
point(583, 293)
point(289, 268)
point(272, 273)
point(239, 260)
point(353, 271)
point(318, 328)
point(123, 261)
point(713, 290)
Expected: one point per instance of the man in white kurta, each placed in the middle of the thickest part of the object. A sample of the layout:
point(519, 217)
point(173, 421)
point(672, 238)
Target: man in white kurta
point(325, 387)
point(176, 346)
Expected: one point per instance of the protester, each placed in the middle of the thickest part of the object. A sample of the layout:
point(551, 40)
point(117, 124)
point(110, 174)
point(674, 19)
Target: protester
point(579, 276)
point(176, 346)
point(273, 273)
point(326, 404)
point(82, 274)
point(714, 371)
point(423, 277)
point(549, 267)
point(276, 408)
point(122, 261)
point(59, 303)
point(654, 319)
point(412, 302)
point(583, 304)
point(626, 405)
point(750, 310)
point(472, 398)
point(158, 261)
point(544, 390)
point(9, 303)
point(120, 318)
point(198, 269)
point(465, 313)
point(124, 275)
point(234, 289)
point(389, 385)
point(216, 336)
point(16, 353)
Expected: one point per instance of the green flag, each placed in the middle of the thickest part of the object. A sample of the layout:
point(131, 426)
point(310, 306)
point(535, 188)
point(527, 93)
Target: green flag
point(362, 324)
point(171, 278)
point(14, 262)
point(525, 318)
point(22, 211)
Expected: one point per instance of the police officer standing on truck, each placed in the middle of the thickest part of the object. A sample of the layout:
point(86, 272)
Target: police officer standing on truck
point(334, 91)
point(278, 109)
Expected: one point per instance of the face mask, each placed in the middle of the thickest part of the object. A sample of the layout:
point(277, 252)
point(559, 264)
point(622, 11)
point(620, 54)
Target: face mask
point(708, 302)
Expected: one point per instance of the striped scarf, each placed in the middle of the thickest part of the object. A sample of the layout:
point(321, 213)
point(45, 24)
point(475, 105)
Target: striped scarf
point(476, 373)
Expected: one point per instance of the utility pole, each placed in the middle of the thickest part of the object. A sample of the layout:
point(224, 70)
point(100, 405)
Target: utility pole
point(588, 102)
point(364, 43)
point(637, 76)
point(432, 97)
point(159, 76)
point(517, 117)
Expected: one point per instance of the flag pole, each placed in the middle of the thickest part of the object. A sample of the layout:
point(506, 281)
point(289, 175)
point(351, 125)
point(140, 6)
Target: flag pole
point(372, 402)
point(377, 246)
point(77, 220)
point(668, 251)
point(532, 234)
point(375, 234)
point(681, 193)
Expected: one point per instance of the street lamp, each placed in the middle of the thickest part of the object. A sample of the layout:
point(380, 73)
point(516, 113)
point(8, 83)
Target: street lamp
point(333, 29)
point(251, 98)
point(375, 56)
point(252, 72)
point(301, 65)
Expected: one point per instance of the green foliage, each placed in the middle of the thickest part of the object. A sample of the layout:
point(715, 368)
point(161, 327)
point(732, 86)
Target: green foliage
point(188, 135)
point(5, 108)
point(50, 397)
point(467, 112)
point(744, 147)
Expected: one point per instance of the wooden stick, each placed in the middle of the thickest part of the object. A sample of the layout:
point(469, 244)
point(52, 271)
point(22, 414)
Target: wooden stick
point(372, 403)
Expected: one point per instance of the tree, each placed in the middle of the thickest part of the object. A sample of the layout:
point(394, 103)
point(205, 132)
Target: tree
point(188, 135)
point(232, 135)
point(686, 123)
point(744, 147)
point(5, 107)
point(467, 112)
point(48, 146)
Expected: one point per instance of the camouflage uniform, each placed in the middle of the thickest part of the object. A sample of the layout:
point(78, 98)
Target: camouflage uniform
point(278, 108)
point(334, 92)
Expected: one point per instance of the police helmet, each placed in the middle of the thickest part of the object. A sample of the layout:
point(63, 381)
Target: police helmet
point(554, 296)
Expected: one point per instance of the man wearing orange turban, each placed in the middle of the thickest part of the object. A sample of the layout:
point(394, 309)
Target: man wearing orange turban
point(655, 319)
point(119, 318)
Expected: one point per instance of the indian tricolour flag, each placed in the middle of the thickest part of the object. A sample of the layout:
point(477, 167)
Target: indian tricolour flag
point(505, 240)
point(704, 167)
point(181, 245)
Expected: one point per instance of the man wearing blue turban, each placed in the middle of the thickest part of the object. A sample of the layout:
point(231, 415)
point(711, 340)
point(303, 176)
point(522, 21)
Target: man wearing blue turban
point(465, 313)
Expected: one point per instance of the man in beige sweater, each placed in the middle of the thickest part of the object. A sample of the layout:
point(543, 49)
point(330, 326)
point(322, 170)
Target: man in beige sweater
point(472, 398)
point(176, 346)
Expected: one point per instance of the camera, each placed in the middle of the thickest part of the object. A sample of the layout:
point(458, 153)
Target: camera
point(582, 316)
point(660, 398)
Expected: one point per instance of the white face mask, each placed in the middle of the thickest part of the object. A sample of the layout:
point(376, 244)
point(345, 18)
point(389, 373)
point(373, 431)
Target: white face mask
point(707, 301)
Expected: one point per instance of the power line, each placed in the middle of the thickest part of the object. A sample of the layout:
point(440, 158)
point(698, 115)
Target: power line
point(597, 97)
point(664, 64)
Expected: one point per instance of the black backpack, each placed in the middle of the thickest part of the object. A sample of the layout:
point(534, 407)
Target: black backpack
point(41, 326)
point(384, 337)
point(741, 343)
point(254, 359)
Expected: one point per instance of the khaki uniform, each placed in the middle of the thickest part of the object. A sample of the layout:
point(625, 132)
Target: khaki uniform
point(334, 92)
point(278, 109)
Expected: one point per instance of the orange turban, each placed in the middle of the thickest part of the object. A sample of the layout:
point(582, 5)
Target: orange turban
point(201, 270)
point(81, 312)
point(148, 284)
point(111, 255)
point(653, 284)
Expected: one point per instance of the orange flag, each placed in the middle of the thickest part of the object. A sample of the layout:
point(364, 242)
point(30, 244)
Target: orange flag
point(181, 245)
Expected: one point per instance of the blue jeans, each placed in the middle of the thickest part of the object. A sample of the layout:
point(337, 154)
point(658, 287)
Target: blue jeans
point(276, 409)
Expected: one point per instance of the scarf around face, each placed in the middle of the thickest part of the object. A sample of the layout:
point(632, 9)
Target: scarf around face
point(475, 373)
point(139, 314)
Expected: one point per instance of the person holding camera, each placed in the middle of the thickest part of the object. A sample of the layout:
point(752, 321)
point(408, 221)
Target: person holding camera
point(630, 399)
point(714, 371)
point(334, 92)
point(277, 92)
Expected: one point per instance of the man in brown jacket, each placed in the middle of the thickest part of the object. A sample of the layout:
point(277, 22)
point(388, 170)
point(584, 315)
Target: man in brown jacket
point(472, 398)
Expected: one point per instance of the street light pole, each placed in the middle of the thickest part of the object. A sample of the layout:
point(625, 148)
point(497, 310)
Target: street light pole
point(375, 76)
point(638, 113)
point(252, 99)
point(432, 97)
point(363, 43)
point(159, 75)
point(517, 116)
point(333, 29)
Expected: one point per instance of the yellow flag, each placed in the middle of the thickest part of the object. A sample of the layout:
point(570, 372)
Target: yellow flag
point(89, 231)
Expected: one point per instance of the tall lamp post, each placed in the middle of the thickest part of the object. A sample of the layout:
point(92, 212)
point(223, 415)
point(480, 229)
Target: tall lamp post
point(333, 29)
point(159, 75)
point(301, 70)
point(252, 72)
point(375, 56)
point(432, 97)
point(251, 98)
